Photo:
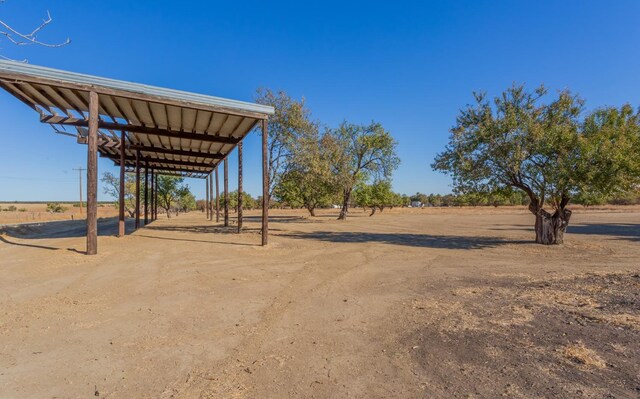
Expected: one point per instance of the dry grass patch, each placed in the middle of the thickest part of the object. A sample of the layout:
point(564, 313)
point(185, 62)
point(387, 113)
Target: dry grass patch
point(579, 353)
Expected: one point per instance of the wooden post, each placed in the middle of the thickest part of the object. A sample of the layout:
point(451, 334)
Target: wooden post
point(137, 190)
point(207, 201)
point(226, 192)
point(240, 199)
point(152, 216)
point(121, 229)
point(92, 175)
point(155, 196)
point(146, 194)
point(265, 185)
point(217, 197)
point(210, 177)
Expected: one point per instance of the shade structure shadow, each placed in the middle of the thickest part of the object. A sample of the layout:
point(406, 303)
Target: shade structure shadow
point(198, 229)
point(153, 237)
point(278, 219)
point(20, 244)
point(65, 229)
point(407, 239)
point(622, 231)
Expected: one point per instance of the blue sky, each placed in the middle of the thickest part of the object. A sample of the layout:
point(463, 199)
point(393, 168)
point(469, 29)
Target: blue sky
point(410, 66)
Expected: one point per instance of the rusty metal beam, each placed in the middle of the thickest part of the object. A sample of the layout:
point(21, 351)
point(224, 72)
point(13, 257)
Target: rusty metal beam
point(153, 131)
point(169, 151)
point(240, 199)
point(265, 184)
point(226, 192)
point(129, 158)
point(121, 226)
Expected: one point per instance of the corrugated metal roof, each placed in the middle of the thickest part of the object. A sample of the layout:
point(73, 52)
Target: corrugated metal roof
point(78, 78)
point(171, 130)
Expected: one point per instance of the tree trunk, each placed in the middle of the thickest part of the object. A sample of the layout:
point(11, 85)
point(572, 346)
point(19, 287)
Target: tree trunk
point(373, 210)
point(550, 228)
point(312, 210)
point(345, 205)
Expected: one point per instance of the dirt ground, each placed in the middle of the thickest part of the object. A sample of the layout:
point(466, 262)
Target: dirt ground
point(433, 303)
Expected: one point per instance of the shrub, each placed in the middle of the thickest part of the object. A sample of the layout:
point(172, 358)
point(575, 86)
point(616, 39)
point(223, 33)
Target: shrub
point(12, 208)
point(55, 207)
point(22, 210)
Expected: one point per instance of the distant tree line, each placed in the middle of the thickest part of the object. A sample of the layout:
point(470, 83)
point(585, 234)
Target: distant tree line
point(513, 198)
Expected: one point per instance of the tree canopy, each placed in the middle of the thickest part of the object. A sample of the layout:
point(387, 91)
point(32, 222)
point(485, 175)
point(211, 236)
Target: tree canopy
point(361, 153)
point(111, 187)
point(290, 124)
point(548, 150)
point(174, 194)
point(309, 181)
point(377, 195)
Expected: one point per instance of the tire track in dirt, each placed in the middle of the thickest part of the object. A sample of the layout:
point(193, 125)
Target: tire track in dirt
point(233, 377)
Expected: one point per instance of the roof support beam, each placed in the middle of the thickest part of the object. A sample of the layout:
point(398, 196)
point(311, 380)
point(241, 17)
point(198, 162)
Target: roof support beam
point(159, 169)
point(185, 153)
point(129, 158)
point(153, 131)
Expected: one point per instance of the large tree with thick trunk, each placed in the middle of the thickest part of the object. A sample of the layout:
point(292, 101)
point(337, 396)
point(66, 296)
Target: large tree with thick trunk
point(548, 150)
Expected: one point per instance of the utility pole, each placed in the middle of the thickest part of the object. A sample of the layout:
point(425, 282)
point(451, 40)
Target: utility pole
point(80, 170)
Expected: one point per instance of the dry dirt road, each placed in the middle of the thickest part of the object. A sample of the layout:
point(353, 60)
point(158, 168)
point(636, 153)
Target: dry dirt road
point(406, 304)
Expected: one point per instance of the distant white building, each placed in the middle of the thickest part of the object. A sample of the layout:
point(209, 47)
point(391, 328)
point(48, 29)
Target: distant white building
point(416, 204)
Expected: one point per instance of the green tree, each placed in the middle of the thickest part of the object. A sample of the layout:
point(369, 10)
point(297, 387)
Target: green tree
point(435, 199)
point(248, 202)
point(186, 201)
point(419, 197)
point(405, 200)
point(290, 123)
point(546, 150)
point(53, 207)
point(170, 190)
point(377, 195)
point(111, 187)
point(360, 153)
point(309, 182)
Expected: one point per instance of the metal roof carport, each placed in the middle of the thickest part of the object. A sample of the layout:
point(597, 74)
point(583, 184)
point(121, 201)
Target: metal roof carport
point(138, 126)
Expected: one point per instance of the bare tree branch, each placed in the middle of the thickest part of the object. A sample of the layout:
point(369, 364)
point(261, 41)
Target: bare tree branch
point(27, 39)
